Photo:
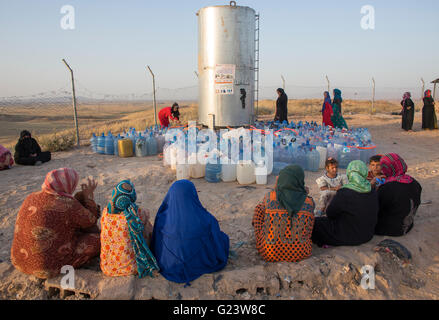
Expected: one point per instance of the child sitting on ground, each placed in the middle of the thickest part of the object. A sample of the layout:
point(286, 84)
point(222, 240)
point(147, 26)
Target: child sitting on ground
point(375, 175)
point(329, 184)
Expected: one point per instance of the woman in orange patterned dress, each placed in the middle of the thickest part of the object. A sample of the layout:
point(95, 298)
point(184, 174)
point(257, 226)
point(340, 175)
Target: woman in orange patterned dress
point(53, 228)
point(125, 235)
point(284, 220)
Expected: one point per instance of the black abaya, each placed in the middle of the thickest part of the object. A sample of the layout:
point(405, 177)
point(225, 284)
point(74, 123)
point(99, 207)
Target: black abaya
point(429, 120)
point(282, 108)
point(408, 114)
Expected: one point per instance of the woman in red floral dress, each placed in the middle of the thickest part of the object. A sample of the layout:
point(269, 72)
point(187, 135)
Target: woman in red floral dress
point(51, 227)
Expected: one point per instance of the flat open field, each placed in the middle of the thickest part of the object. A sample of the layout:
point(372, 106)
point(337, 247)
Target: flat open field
point(329, 274)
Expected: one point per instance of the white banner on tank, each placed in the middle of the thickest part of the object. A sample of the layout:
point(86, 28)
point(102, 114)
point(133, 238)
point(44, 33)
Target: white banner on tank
point(224, 78)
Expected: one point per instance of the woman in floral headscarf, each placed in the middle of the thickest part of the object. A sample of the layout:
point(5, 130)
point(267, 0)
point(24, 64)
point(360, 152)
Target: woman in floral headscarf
point(126, 232)
point(408, 112)
point(399, 198)
point(53, 228)
point(429, 120)
point(352, 214)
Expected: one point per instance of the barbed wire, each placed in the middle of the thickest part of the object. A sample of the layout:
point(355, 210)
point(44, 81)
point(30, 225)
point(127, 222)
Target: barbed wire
point(62, 96)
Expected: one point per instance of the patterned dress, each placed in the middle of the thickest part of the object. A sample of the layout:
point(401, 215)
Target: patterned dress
point(274, 239)
point(117, 253)
point(337, 118)
point(48, 235)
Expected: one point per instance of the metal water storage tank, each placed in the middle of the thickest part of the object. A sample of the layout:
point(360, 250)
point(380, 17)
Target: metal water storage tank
point(226, 65)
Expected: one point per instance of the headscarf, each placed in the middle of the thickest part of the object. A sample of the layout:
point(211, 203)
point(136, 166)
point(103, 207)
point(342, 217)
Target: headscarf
point(337, 95)
point(176, 113)
point(394, 168)
point(427, 94)
point(405, 97)
point(123, 200)
point(327, 100)
point(61, 182)
point(25, 133)
point(290, 189)
point(282, 91)
point(187, 239)
point(357, 175)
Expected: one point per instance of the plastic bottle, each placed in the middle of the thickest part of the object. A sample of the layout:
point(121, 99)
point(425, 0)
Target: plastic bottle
point(94, 143)
point(323, 153)
point(183, 171)
point(109, 144)
point(314, 157)
point(228, 171)
point(345, 157)
point(151, 143)
point(213, 173)
point(141, 147)
point(245, 172)
point(160, 142)
point(116, 144)
point(101, 144)
point(261, 173)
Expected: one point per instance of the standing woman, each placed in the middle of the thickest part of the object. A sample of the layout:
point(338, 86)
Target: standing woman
point(337, 118)
point(408, 112)
point(429, 120)
point(281, 106)
point(327, 110)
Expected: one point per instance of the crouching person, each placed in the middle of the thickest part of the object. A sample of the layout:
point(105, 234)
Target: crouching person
point(28, 151)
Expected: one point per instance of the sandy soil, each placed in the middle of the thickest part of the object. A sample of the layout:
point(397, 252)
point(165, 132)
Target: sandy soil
point(329, 274)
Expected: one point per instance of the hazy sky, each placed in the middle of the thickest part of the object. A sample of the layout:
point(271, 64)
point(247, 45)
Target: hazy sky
point(304, 40)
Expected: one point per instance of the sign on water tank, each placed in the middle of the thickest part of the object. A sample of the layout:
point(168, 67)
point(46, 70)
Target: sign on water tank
point(224, 78)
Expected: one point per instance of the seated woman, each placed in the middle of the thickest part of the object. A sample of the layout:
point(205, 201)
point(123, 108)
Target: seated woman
point(125, 234)
point(187, 240)
point(284, 220)
point(399, 198)
point(6, 160)
point(352, 214)
point(49, 231)
point(28, 151)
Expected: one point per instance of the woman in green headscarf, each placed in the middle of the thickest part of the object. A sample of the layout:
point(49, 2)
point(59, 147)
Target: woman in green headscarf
point(284, 220)
point(352, 214)
point(337, 117)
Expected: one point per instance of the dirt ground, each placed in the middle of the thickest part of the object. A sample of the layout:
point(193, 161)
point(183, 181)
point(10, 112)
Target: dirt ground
point(332, 273)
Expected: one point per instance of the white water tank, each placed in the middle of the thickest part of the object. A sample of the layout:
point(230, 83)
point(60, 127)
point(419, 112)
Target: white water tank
point(226, 65)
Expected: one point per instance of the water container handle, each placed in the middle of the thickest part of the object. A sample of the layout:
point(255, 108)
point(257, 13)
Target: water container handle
point(233, 4)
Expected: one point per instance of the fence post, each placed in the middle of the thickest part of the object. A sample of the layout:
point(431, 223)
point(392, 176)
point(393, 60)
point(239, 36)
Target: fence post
point(75, 116)
point(283, 82)
point(329, 83)
point(153, 91)
point(373, 95)
point(423, 88)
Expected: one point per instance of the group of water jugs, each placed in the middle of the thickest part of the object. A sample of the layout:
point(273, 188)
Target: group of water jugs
point(142, 144)
point(309, 145)
point(303, 143)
